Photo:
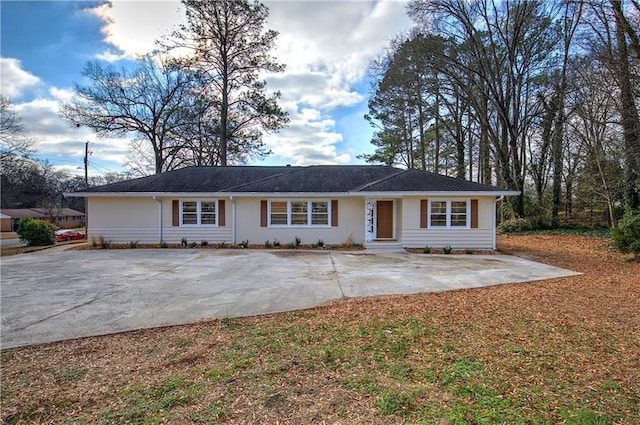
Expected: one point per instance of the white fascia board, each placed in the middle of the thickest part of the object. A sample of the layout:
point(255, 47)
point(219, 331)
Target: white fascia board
point(288, 194)
point(210, 194)
point(434, 193)
point(148, 194)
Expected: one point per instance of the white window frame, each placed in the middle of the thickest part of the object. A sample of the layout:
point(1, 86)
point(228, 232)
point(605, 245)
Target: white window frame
point(309, 224)
point(199, 203)
point(448, 214)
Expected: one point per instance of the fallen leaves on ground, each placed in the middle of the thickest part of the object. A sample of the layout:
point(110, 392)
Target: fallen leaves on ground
point(561, 350)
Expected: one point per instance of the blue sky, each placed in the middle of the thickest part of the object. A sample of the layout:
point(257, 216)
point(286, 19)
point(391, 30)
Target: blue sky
point(326, 46)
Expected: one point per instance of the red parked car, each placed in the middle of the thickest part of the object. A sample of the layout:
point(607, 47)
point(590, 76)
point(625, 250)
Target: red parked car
point(68, 235)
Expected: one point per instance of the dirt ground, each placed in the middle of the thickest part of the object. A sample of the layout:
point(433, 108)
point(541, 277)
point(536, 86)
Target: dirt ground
point(556, 351)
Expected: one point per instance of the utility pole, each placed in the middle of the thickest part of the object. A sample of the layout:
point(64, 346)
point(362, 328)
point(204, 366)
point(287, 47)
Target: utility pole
point(86, 165)
point(86, 186)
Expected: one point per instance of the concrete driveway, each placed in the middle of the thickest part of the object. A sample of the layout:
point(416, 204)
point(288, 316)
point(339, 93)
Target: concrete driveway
point(60, 294)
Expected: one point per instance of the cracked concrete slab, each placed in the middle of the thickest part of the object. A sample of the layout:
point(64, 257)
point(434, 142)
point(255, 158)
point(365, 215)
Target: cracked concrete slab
point(56, 295)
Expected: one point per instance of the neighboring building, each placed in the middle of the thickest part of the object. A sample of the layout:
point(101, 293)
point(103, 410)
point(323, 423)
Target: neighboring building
point(371, 205)
point(64, 218)
point(5, 223)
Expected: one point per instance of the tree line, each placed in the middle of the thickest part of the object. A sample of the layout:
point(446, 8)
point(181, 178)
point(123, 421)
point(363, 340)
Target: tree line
point(536, 96)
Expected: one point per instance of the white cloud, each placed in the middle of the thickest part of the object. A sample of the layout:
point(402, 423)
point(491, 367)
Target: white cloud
point(132, 27)
point(14, 78)
point(326, 47)
point(62, 142)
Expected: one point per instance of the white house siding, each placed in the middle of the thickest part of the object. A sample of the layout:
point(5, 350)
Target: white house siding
point(412, 236)
point(350, 223)
point(121, 220)
point(126, 219)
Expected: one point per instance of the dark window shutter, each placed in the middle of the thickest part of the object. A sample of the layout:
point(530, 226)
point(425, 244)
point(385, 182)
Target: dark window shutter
point(334, 212)
point(221, 221)
point(474, 213)
point(176, 212)
point(263, 213)
point(424, 213)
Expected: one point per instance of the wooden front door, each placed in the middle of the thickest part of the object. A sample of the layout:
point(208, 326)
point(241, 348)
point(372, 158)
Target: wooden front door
point(384, 228)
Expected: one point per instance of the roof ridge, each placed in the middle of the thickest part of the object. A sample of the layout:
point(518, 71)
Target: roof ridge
point(289, 171)
point(366, 185)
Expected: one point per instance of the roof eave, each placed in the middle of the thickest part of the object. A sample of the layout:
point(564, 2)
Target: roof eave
point(292, 194)
point(438, 193)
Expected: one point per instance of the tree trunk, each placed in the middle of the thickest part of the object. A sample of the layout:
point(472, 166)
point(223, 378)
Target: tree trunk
point(629, 112)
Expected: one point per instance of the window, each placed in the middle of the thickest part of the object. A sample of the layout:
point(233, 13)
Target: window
point(299, 213)
point(320, 213)
point(198, 213)
point(279, 214)
point(458, 214)
point(438, 214)
point(449, 214)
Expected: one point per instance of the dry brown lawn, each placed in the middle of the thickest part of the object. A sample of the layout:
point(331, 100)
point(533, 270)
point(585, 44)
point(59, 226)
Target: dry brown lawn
point(556, 351)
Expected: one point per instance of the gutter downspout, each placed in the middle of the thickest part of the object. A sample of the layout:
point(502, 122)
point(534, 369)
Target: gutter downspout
point(495, 203)
point(233, 219)
point(155, 198)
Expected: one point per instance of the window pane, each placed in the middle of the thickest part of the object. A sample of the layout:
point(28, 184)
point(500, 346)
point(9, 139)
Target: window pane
point(438, 214)
point(190, 218)
point(279, 213)
point(190, 212)
point(320, 219)
point(207, 213)
point(208, 207)
point(458, 207)
point(190, 206)
point(458, 214)
point(439, 207)
point(320, 213)
point(299, 213)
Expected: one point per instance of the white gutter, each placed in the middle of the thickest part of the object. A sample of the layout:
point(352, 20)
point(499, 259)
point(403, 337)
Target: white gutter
point(495, 210)
point(159, 201)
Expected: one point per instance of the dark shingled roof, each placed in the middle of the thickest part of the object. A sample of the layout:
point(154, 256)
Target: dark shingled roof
point(318, 178)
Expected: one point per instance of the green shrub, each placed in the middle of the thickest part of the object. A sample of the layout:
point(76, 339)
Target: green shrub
point(447, 249)
point(204, 243)
point(515, 225)
point(222, 245)
point(298, 241)
point(426, 250)
point(626, 237)
point(268, 244)
point(292, 245)
point(133, 244)
point(192, 244)
point(320, 243)
point(104, 244)
point(468, 251)
point(163, 244)
point(244, 243)
point(35, 232)
point(276, 242)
